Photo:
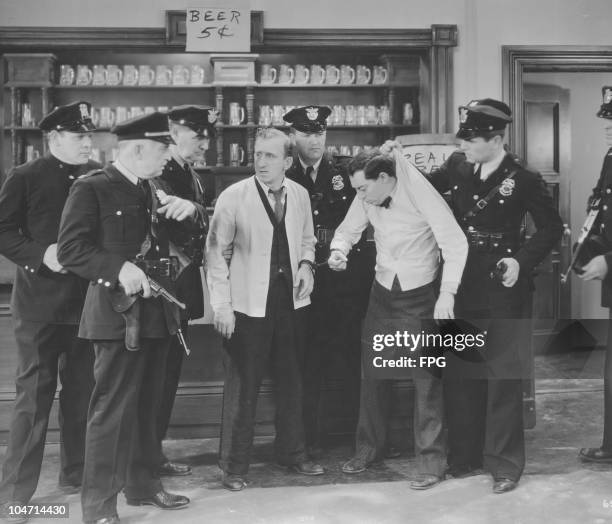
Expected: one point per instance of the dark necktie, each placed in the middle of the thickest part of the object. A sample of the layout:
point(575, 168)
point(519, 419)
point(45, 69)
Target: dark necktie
point(186, 168)
point(385, 203)
point(145, 189)
point(309, 172)
point(478, 171)
point(278, 204)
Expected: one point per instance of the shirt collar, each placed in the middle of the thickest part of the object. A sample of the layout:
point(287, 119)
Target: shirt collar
point(177, 158)
point(267, 188)
point(315, 166)
point(126, 172)
point(489, 167)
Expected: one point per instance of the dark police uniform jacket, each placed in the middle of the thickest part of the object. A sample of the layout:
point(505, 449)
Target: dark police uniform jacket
point(104, 224)
point(603, 190)
point(526, 192)
point(188, 235)
point(31, 203)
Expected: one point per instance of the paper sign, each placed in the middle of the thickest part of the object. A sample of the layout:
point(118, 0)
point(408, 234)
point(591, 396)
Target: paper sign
point(218, 29)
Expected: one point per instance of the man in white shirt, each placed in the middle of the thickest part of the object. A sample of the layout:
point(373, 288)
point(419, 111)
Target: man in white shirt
point(412, 224)
point(258, 298)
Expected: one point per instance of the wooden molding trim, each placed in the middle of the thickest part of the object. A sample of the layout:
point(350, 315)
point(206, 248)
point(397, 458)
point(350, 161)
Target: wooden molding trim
point(517, 60)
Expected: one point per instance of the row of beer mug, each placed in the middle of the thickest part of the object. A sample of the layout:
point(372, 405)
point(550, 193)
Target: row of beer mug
point(318, 74)
point(108, 117)
point(361, 115)
point(131, 75)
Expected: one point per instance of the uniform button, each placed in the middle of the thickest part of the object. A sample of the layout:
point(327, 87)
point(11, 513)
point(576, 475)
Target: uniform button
point(344, 197)
point(475, 197)
point(481, 243)
point(156, 248)
point(71, 177)
point(509, 250)
point(315, 212)
point(118, 213)
point(32, 270)
point(495, 244)
point(106, 284)
point(471, 228)
point(603, 226)
point(100, 281)
point(27, 267)
point(605, 207)
point(455, 187)
point(608, 191)
point(501, 200)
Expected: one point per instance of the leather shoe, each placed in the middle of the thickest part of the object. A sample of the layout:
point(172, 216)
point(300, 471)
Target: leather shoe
point(425, 482)
point(174, 469)
point(596, 455)
point(233, 482)
point(503, 485)
point(354, 466)
point(104, 520)
point(162, 499)
point(307, 468)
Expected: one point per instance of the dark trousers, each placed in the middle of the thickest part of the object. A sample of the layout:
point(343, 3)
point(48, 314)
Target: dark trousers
point(174, 364)
point(389, 311)
point(607, 436)
point(43, 350)
point(255, 344)
point(333, 340)
point(485, 407)
point(122, 447)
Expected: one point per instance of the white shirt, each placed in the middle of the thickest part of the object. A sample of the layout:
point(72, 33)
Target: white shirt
point(126, 172)
point(409, 234)
point(315, 168)
point(268, 192)
point(486, 168)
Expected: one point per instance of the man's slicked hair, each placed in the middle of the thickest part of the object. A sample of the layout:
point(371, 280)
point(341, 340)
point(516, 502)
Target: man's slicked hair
point(372, 163)
point(266, 133)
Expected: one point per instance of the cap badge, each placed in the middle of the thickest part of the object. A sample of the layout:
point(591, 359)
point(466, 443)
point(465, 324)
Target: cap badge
point(84, 112)
point(463, 115)
point(312, 113)
point(607, 97)
point(213, 114)
point(507, 187)
point(337, 183)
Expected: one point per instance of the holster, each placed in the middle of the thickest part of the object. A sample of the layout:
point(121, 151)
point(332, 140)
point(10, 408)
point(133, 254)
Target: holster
point(132, 326)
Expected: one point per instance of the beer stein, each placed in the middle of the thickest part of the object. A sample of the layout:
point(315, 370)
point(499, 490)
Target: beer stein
point(130, 75)
point(277, 115)
point(345, 150)
point(268, 74)
point(162, 109)
point(197, 75)
point(364, 75)
point(236, 114)
point(408, 114)
point(371, 114)
point(302, 74)
point(95, 116)
point(380, 75)
point(114, 75)
point(350, 115)
point(121, 114)
point(361, 116)
point(26, 115)
point(332, 74)
point(384, 115)
point(149, 110)
point(66, 75)
point(84, 75)
point(355, 150)
point(317, 74)
point(337, 116)
point(265, 115)
point(236, 154)
point(286, 74)
point(134, 112)
point(347, 74)
point(146, 75)
point(107, 117)
point(332, 150)
point(163, 75)
point(180, 75)
point(99, 75)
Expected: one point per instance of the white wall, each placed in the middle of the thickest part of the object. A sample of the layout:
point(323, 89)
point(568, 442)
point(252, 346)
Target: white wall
point(484, 25)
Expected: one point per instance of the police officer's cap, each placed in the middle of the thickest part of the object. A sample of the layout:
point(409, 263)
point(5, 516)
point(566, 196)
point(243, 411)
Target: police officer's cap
point(200, 119)
point(75, 117)
point(481, 117)
point(605, 111)
point(308, 119)
point(152, 126)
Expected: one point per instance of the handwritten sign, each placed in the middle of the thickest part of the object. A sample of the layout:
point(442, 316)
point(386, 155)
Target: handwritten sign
point(218, 29)
point(427, 151)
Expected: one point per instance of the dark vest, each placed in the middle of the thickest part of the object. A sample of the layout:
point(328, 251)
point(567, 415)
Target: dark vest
point(280, 261)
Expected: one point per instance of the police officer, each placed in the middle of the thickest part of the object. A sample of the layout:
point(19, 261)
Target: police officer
point(597, 269)
point(46, 305)
point(338, 299)
point(490, 195)
point(191, 128)
point(109, 223)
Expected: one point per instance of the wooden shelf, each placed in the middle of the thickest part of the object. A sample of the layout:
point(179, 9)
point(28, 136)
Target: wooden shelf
point(135, 88)
point(21, 128)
